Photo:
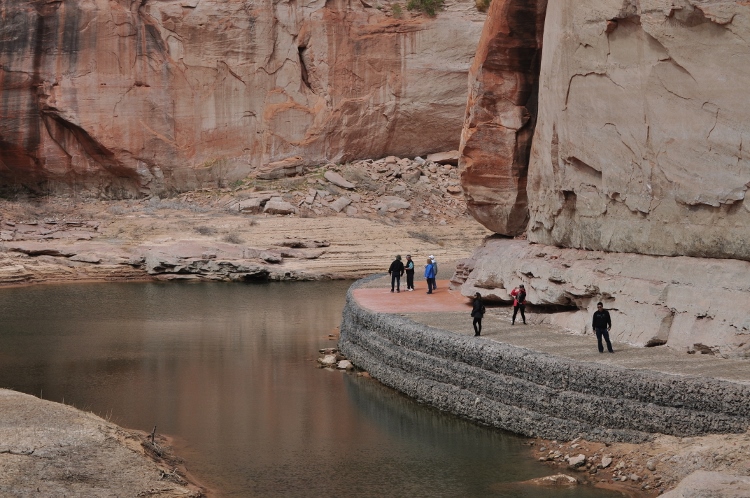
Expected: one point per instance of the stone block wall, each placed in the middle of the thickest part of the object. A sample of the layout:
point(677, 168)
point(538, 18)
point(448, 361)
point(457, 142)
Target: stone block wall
point(532, 393)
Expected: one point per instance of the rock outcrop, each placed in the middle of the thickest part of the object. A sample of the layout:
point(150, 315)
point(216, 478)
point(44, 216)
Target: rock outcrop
point(501, 114)
point(681, 302)
point(640, 140)
point(638, 148)
point(638, 144)
point(124, 97)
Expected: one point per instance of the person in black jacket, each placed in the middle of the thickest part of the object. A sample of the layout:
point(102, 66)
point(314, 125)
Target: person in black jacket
point(409, 273)
point(396, 270)
point(601, 323)
point(477, 311)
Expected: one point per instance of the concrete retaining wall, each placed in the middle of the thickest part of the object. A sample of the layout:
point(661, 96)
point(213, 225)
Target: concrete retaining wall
point(532, 393)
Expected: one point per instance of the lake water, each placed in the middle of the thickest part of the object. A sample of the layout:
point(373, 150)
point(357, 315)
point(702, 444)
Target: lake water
point(229, 370)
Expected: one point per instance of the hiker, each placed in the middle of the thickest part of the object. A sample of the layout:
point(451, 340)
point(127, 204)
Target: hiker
point(429, 275)
point(395, 271)
point(477, 312)
point(601, 323)
point(435, 265)
point(519, 303)
point(409, 273)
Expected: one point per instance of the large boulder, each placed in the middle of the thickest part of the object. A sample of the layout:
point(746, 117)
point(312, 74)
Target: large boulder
point(501, 114)
point(125, 98)
point(640, 142)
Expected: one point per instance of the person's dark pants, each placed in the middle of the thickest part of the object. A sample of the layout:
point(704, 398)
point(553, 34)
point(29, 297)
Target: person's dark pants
point(409, 280)
point(520, 307)
point(603, 333)
point(430, 285)
point(477, 325)
point(396, 280)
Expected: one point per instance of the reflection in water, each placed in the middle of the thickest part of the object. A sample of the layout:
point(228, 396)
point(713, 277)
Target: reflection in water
point(230, 371)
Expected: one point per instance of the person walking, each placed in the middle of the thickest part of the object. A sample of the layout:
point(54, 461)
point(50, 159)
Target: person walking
point(409, 273)
point(601, 323)
point(477, 312)
point(396, 270)
point(429, 275)
point(519, 303)
point(435, 265)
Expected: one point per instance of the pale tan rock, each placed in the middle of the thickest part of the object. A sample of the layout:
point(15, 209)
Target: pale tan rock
point(557, 480)
point(702, 483)
point(338, 180)
point(340, 204)
point(279, 207)
point(291, 166)
point(640, 144)
point(450, 157)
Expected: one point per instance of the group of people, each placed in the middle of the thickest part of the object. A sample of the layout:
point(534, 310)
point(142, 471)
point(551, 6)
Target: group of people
point(519, 304)
point(398, 268)
point(601, 322)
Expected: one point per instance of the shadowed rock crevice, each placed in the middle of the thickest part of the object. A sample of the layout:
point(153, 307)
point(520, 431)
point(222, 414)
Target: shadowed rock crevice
point(501, 115)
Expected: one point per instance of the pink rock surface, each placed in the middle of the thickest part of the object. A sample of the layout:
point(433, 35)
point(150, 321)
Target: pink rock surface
point(126, 98)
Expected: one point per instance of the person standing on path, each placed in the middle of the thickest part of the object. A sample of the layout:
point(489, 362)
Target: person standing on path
point(601, 323)
point(429, 275)
point(477, 312)
point(409, 273)
point(435, 265)
point(519, 303)
point(396, 270)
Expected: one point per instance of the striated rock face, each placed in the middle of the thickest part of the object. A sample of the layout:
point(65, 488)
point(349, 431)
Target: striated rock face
point(501, 114)
point(126, 97)
point(641, 139)
point(689, 304)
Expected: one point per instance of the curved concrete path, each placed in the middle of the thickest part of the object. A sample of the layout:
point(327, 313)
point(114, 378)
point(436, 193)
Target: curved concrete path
point(449, 310)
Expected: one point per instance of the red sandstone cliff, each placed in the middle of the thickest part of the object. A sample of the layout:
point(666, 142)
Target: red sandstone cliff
point(126, 97)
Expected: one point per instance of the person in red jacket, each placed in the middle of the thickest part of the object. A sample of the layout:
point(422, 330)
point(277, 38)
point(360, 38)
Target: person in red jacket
point(519, 302)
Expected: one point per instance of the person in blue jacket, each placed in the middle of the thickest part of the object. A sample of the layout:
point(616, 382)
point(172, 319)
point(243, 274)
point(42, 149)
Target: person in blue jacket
point(429, 275)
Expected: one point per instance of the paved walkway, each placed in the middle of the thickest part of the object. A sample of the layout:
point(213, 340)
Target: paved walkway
point(449, 310)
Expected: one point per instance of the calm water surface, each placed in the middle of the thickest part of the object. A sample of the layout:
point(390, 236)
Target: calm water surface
point(230, 371)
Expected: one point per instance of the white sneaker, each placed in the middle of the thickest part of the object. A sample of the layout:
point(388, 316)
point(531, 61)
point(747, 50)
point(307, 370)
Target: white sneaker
point(411, 290)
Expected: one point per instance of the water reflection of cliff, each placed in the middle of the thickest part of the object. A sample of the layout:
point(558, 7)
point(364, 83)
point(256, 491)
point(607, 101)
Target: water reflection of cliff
point(465, 459)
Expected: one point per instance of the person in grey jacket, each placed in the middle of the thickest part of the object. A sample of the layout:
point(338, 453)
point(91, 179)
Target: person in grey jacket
point(435, 266)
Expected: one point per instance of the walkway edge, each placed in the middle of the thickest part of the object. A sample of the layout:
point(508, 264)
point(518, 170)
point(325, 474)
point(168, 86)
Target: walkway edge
point(533, 393)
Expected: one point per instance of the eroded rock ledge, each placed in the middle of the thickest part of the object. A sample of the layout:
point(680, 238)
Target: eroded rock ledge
point(680, 302)
point(532, 393)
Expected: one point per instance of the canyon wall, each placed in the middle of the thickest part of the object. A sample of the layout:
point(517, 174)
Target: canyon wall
point(640, 140)
point(638, 148)
point(126, 97)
